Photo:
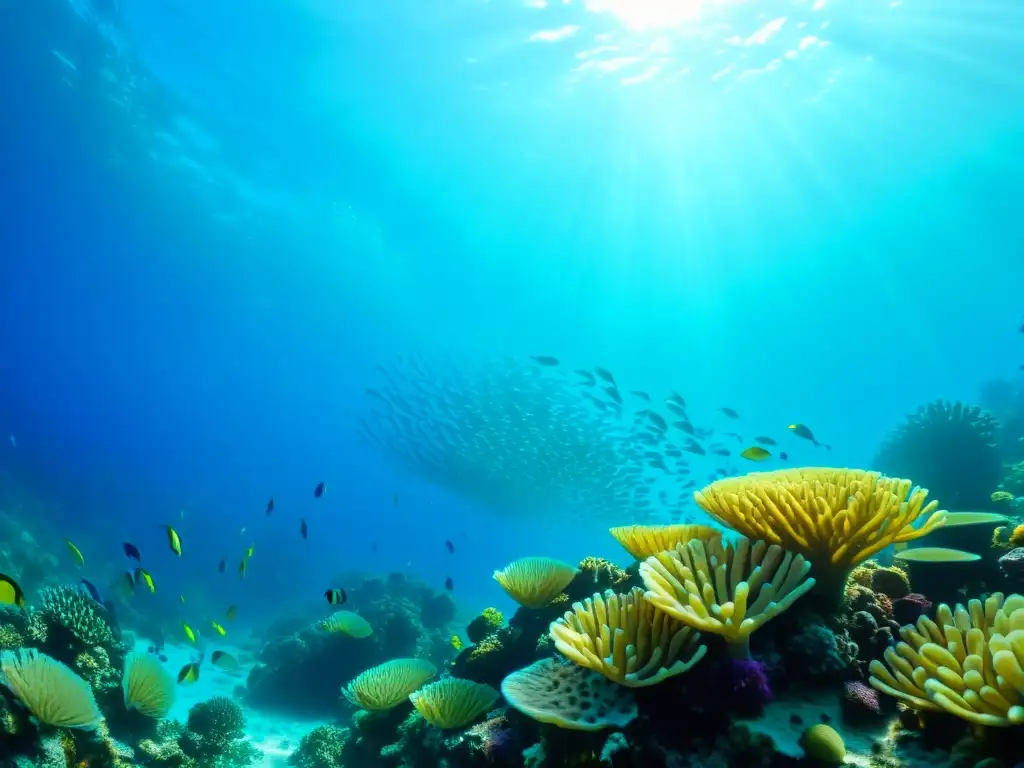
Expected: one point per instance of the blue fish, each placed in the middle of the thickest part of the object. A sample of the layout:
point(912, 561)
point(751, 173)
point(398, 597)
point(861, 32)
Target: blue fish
point(93, 592)
point(132, 551)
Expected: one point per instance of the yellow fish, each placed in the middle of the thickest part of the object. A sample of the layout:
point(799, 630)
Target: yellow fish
point(143, 574)
point(10, 592)
point(232, 612)
point(249, 552)
point(188, 632)
point(456, 642)
point(174, 540)
point(189, 674)
point(75, 552)
point(755, 453)
point(220, 630)
point(224, 661)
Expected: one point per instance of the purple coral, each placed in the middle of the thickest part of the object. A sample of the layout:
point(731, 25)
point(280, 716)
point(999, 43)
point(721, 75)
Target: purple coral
point(749, 685)
point(860, 701)
point(908, 609)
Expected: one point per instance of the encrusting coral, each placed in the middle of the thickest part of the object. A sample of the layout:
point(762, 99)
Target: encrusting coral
point(533, 582)
point(835, 518)
point(968, 662)
point(731, 594)
point(626, 639)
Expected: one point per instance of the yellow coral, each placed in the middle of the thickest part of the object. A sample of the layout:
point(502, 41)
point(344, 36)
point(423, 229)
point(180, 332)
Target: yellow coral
point(347, 623)
point(1017, 537)
point(625, 639)
point(1001, 497)
point(387, 685)
point(823, 744)
point(51, 691)
point(731, 594)
point(148, 687)
point(453, 702)
point(10, 638)
point(534, 582)
point(643, 541)
point(836, 518)
point(966, 661)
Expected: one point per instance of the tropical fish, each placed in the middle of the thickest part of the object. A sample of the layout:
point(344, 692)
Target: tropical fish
point(721, 451)
point(765, 441)
point(730, 413)
point(784, 456)
point(544, 359)
point(456, 642)
point(128, 582)
point(132, 551)
point(613, 393)
point(222, 566)
point(755, 453)
point(141, 574)
point(242, 532)
point(189, 673)
point(218, 628)
point(657, 421)
point(739, 438)
point(320, 490)
point(224, 660)
point(642, 395)
point(93, 592)
point(336, 596)
point(249, 551)
point(449, 546)
point(241, 568)
point(189, 633)
point(75, 552)
point(588, 377)
point(449, 584)
point(173, 540)
point(231, 613)
point(270, 505)
point(676, 408)
point(10, 592)
point(304, 529)
point(800, 430)
point(606, 375)
point(694, 447)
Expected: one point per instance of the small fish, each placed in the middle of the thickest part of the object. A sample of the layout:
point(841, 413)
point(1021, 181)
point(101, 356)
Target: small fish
point(784, 456)
point(242, 532)
point(456, 642)
point(222, 566)
point(336, 596)
point(231, 613)
point(449, 546)
point(142, 575)
point(721, 451)
point(755, 453)
point(93, 592)
point(765, 440)
point(188, 632)
point(657, 421)
point(224, 660)
point(10, 592)
point(320, 490)
point(803, 431)
point(642, 395)
point(181, 599)
point(606, 375)
point(75, 552)
point(739, 438)
point(394, 499)
point(588, 377)
point(685, 426)
point(241, 568)
point(613, 393)
point(173, 540)
point(218, 628)
point(249, 551)
point(544, 359)
point(128, 581)
point(270, 505)
point(676, 408)
point(189, 673)
point(132, 552)
point(449, 584)
point(694, 447)
point(303, 529)
point(730, 413)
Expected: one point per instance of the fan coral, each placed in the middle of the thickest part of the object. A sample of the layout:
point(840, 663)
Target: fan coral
point(51, 691)
point(387, 685)
point(967, 662)
point(643, 541)
point(625, 639)
point(835, 518)
point(490, 620)
point(453, 702)
point(79, 614)
point(568, 696)
point(533, 582)
point(949, 448)
point(712, 595)
point(148, 687)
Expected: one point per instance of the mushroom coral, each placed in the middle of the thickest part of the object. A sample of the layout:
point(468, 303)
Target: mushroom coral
point(731, 594)
point(836, 518)
point(966, 661)
point(626, 639)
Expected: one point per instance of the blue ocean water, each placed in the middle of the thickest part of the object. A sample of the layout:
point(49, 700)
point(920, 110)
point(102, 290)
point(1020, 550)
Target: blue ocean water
point(218, 218)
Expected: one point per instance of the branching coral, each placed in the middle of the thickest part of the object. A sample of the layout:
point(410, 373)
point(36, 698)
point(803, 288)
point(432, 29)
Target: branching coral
point(835, 518)
point(949, 448)
point(626, 639)
point(79, 614)
point(730, 594)
point(967, 662)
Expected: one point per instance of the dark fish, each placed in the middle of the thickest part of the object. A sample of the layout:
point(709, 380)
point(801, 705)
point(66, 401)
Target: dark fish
point(336, 596)
point(222, 566)
point(677, 409)
point(132, 551)
point(189, 674)
point(320, 490)
point(721, 452)
point(449, 584)
point(739, 438)
point(765, 441)
point(304, 529)
point(544, 359)
point(730, 413)
point(613, 393)
point(800, 430)
point(685, 426)
point(784, 456)
point(587, 375)
point(641, 395)
point(694, 447)
point(449, 546)
point(270, 505)
point(606, 375)
point(91, 589)
point(676, 398)
point(657, 421)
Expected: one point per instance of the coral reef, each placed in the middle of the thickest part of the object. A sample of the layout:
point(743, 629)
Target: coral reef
point(490, 620)
point(949, 448)
point(214, 734)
